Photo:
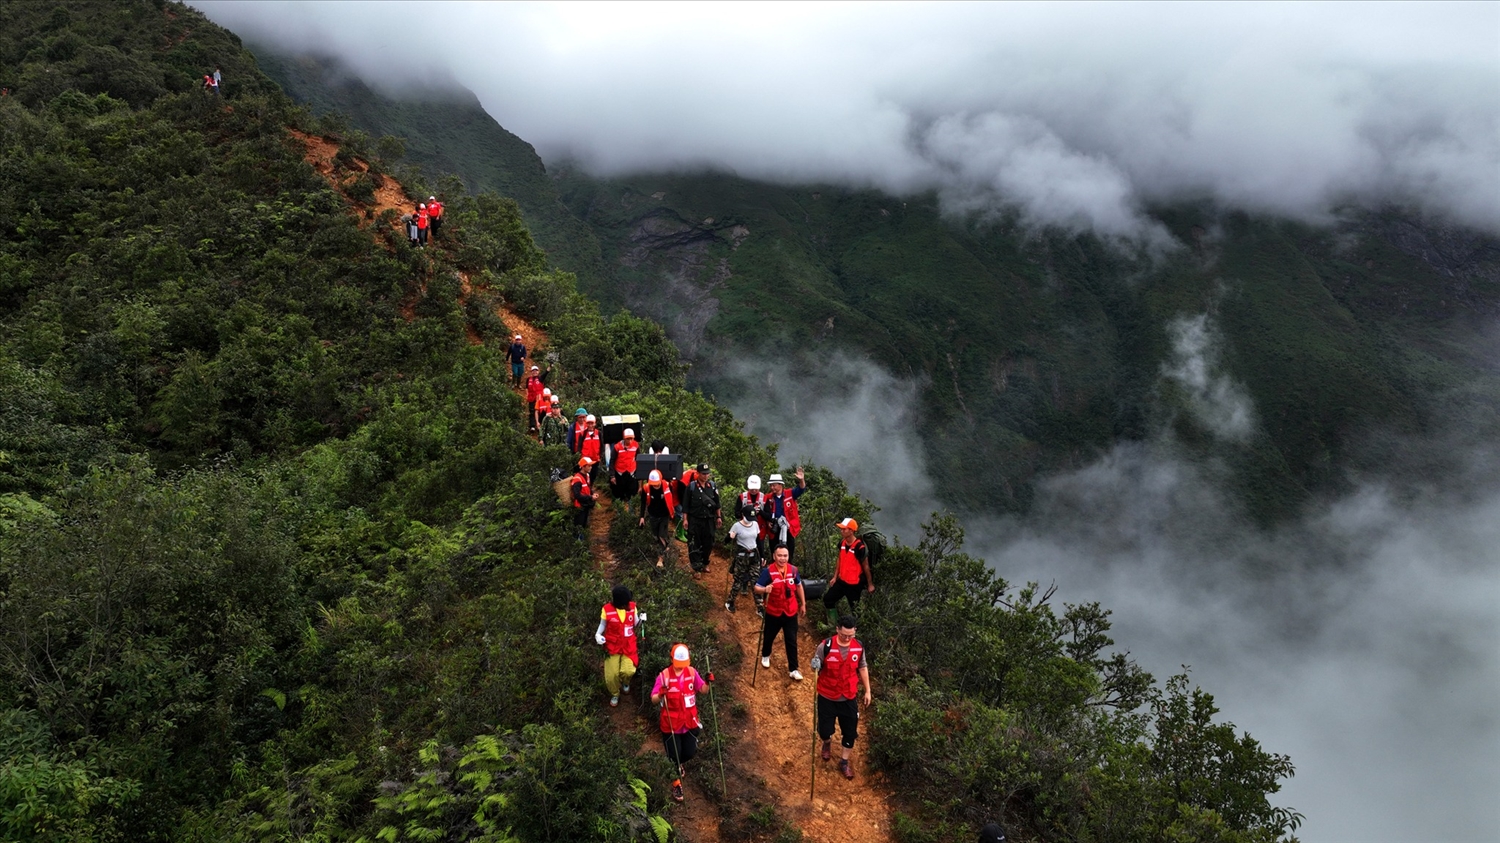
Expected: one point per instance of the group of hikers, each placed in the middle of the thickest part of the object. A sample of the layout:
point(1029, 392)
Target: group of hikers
point(425, 220)
point(763, 539)
point(212, 81)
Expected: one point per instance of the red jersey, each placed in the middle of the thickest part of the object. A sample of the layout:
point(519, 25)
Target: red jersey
point(625, 456)
point(839, 678)
point(619, 636)
point(680, 692)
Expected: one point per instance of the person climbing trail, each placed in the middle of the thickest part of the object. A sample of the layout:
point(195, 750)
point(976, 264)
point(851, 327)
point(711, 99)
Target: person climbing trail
point(583, 498)
point(658, 507)
point(676, 691)
point(842, 669)
point(411, 229)
point(423, 221)
point(434, 215)
point(704, 518)
point(785, 601)
point(534, 389)
point(622, 483)
point(754, 498)
point(554, 426)
point(619, 633)
point(590, 445)
point(781, 512)
point(540, 409)
point(575, 430)
point(852, 577)
point(744, 534)
point(517, 355)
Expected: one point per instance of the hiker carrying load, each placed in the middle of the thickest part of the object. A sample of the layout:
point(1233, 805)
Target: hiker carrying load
point(852, 577)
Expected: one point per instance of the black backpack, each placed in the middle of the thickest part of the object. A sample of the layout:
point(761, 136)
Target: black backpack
point(875, 544)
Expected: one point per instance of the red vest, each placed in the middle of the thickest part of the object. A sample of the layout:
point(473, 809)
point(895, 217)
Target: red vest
point(680, 714)
point(590, 444)
point(793, 522)
point(625, 456)
point(782, 599)
point(619, 638)
point(575, 436)
point(434, 209)
point(533, 388)
point(422, 220)
point(839, 678)
point(849, 570)
point(581, 477)
point(755, 504)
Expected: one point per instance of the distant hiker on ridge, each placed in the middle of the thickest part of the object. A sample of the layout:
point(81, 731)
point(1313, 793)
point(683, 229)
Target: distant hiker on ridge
point(517, 355)
point(840, 664)
point(785, 601)
point(411, 229)
point(704, 518)
point(676, 691)
point(658, 507)
point(435, 215)
point(533, 392)
point(851, 576)
point(590, 446)
point(619, 633)
point(422, 222)
point(781, 513)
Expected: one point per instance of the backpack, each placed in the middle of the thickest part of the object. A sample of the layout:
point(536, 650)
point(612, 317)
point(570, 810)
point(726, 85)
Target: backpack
point(875, 544)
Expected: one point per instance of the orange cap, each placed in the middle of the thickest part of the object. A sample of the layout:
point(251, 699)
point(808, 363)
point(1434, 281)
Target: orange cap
point(850, 523)
point(680, 655)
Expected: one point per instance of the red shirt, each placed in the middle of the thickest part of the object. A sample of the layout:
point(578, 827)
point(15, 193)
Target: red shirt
point(422, 219)
point(533, 389)
point(434, 209)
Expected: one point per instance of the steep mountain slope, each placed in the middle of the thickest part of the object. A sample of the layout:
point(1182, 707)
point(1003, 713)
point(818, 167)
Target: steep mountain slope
point(446, 131)
point(1034, 350)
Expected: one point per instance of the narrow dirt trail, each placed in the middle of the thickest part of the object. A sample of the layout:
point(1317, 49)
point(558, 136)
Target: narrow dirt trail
point(775, 743)
point(779, 735)
point(320, 152)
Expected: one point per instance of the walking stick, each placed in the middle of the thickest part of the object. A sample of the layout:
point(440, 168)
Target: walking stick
point(718, 742)
point(813, 789)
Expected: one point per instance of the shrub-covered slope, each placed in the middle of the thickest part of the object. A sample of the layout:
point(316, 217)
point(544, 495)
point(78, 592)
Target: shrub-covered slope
point(278, 560)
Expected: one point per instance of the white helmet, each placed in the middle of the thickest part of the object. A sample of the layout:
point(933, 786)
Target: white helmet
point(753, 483)
point(628, 434)
point(590, 417)
point(546, 393)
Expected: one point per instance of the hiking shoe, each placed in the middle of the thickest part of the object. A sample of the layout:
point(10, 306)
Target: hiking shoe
point(765, 662)
point(729, 607)
point(677, 789)
point(625, 689)
point(846, 768)
point(796, 674)
point(614, 700)
point(827, 749)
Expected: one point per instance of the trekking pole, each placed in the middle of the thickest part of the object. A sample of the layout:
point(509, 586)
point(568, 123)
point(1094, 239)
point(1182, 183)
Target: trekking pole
point(759, 648)
point(718, 741)
point(813, 788)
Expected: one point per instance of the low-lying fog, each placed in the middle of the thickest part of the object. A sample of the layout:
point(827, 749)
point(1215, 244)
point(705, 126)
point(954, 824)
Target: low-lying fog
point(1361, 640)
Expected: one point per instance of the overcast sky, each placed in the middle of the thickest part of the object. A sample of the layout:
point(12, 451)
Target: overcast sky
point(1071, 114)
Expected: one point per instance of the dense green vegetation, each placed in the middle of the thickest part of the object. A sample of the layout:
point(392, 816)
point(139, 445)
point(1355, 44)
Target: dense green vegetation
point(278, 562)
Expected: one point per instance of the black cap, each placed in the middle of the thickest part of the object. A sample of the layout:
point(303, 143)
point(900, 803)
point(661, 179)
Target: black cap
point(991, 833)
point(703, 468)
point(848, 622)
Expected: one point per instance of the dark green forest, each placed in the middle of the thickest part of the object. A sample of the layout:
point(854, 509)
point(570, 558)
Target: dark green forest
point(278, 560)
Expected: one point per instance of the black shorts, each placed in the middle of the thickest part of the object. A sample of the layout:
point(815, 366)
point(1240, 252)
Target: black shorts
point(845, 713)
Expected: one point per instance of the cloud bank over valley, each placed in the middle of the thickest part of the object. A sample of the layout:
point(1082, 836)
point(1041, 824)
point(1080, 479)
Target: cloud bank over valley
point(1077, 116)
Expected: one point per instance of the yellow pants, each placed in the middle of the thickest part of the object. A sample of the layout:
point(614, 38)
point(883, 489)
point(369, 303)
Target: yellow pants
point(618, 671)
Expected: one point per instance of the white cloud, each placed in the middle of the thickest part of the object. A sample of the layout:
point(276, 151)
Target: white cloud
point(1075, 114)
point(1212, 396)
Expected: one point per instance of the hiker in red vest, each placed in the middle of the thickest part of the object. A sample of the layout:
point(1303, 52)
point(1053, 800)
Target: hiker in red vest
point(575, 430)
point(619, 633)
point(540, 409)
point(785, 601)
point(754, 498)
point(851, 576)
point(533, 392)
point(590, 445)
point(782, 521)
point(622, 483)
point(583, 498)
point(841, 668)
point(423, 222)
point(676, 691)
point(435, 215)
point(659, 507)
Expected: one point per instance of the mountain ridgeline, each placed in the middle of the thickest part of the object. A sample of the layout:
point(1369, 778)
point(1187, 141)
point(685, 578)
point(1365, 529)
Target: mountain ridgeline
point(1035, 351)
point(279, 560)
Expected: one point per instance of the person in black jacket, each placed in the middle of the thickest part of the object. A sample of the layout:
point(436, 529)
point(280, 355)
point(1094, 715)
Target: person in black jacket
point(704, 517)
